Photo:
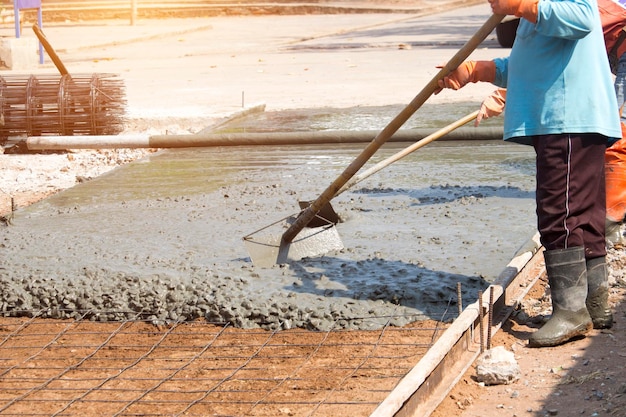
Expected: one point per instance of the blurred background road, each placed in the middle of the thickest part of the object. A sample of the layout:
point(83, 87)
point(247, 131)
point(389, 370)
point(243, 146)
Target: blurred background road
point(210, 66)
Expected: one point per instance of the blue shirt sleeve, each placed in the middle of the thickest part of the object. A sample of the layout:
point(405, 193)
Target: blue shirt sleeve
point(502, 65)
point(573, 19)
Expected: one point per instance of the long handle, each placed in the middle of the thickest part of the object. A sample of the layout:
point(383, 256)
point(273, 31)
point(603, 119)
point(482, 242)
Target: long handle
point(307, 214)
point(50, 50)
point(406, 151)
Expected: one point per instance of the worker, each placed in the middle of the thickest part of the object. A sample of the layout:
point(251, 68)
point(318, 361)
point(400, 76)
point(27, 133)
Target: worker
point(613, 19)
point(561, 101)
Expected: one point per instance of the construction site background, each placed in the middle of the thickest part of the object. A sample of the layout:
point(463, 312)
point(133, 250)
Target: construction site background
point(73, 10)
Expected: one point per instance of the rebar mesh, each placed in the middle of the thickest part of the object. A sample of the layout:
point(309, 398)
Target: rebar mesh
point(92, 104)
point(87, 368)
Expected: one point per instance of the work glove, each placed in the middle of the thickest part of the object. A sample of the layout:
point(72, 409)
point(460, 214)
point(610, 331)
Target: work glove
point(468, 71)
point(520, 8)
point(492, 106)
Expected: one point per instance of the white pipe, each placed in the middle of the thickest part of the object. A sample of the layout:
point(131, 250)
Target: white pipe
point(35, 143)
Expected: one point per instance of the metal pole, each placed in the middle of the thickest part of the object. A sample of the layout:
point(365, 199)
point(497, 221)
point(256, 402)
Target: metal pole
point(133, 12)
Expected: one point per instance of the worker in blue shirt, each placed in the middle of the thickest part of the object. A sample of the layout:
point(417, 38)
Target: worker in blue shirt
point(560, 99)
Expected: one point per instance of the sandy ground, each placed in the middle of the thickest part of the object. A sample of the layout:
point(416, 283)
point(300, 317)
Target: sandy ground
point(584, 377)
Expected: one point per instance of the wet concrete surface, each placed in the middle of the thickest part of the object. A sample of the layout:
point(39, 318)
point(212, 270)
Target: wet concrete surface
point(429, 117)
point(162, 237)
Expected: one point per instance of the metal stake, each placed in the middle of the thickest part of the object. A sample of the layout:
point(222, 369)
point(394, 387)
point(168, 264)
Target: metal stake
point(490, 317)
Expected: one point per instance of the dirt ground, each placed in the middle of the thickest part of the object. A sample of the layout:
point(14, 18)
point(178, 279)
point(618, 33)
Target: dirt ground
point(137, 369)
point(585, 377)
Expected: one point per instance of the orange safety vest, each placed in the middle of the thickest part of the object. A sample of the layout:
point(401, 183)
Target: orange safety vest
point(615, 179)
point(613, 18)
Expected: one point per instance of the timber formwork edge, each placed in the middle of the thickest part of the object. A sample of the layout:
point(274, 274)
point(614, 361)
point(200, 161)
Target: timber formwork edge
point(421, 391)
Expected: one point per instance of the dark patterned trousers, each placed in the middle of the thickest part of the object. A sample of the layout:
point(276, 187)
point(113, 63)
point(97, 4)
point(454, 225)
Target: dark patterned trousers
point(571, 200)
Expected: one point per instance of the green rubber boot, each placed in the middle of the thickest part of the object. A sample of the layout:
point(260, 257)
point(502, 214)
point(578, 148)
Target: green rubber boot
point(598, 293)
point(567, 276)
point(613, 233)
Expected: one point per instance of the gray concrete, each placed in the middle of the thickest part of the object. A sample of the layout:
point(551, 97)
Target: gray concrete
point(162, 238)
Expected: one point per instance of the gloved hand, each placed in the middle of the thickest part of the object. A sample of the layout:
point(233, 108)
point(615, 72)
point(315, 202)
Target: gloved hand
point(492, 106)
point(520, 8)
point(468, 71)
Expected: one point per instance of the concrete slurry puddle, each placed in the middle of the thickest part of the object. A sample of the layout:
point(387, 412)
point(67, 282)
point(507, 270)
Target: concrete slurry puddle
point(431, 117)
point(161, 238)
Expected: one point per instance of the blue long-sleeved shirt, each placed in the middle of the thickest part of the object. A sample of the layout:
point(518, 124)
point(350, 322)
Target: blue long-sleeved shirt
point(557, 75)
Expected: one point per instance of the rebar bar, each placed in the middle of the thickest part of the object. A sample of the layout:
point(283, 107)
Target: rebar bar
point(490, 317)
point(459, 298)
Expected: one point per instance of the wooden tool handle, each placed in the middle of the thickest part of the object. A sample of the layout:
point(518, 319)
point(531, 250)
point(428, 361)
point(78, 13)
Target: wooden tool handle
point(406, 151)
point(307, 214)
point(50, 50)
